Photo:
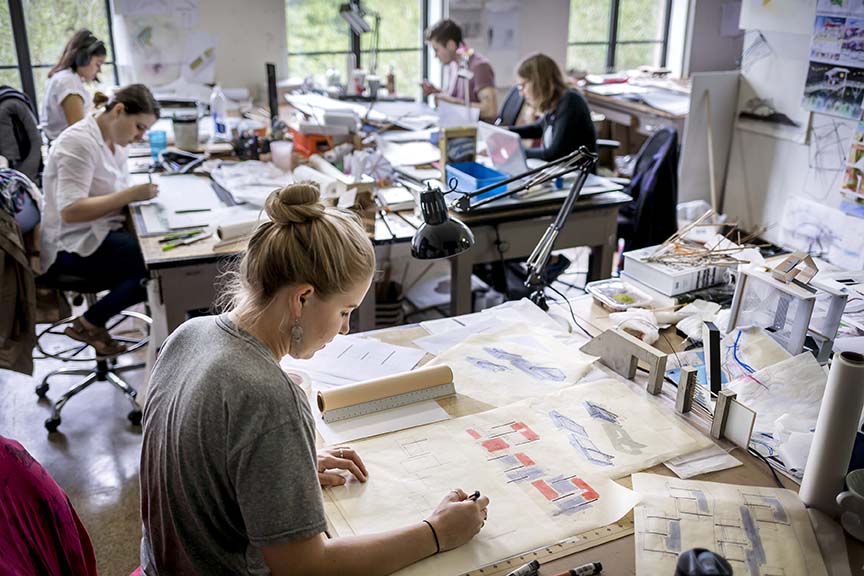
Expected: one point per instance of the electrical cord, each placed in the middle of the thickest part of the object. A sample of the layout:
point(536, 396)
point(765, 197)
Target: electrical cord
point(767, 463)
point(572, 314)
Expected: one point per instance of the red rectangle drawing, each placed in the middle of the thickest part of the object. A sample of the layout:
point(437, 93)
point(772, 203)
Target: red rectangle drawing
point(474, 434)
point(495, 444)
point(524, 459)
point(547, 491)
point(587, 491)
point(526, 431)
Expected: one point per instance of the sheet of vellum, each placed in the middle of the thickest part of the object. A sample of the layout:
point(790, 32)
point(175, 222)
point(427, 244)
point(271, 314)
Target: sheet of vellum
point(760, 531)
point(513, 364)
point(794, 386)
point(543, 462)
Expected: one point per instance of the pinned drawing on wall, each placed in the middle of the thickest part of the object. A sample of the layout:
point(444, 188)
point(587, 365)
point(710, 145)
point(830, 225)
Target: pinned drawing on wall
point(835, 78)
point(791, 16)
point(823, 232)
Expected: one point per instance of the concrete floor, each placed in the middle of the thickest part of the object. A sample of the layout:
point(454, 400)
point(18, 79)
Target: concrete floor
point(94, 455)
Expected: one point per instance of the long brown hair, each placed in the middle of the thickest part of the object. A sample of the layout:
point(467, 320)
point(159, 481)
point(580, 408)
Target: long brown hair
point(303, 242)
point(83, 39)
point(546, 80)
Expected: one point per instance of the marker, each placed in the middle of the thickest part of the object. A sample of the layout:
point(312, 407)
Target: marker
point(474, 496)
point(585, 570)
point(180, 235)
point(192, 210)
point(185, 242)
point(529, 569)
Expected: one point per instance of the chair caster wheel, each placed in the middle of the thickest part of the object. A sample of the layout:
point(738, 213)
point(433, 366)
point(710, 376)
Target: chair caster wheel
point(135, 417)
point(51, 424)
point(42, 390)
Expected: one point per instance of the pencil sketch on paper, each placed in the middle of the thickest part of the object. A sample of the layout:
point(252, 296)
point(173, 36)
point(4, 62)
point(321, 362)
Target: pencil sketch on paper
point(620, 438)
point(760, 531)
point(521, 363)
point(580, 440)
point(486, 364)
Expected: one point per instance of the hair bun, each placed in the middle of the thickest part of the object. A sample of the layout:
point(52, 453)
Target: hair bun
point(295, 204)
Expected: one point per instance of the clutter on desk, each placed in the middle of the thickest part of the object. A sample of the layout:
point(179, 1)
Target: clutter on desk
point(250, 181)
point(457, 145)
point(174, 161)
point(617, 296)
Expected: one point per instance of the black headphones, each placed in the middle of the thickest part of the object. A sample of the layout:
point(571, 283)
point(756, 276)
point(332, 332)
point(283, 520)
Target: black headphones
point(85, 53)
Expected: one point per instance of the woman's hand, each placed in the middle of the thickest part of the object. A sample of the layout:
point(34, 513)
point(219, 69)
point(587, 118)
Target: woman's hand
point(458, 518)
point(142, 192)
point(343, 458)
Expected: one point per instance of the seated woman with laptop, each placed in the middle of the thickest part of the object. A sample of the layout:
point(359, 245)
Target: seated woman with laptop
point(566, 122)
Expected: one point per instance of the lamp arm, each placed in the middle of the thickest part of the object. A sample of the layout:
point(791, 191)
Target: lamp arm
point(539, 258)
point(579, 159)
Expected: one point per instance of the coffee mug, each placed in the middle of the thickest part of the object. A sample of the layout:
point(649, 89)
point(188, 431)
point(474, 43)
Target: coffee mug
point(851, 504)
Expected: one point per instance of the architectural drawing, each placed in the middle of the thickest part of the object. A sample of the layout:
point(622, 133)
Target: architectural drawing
point(580, 440)
point(500, 368)
point(760, 531)
point(616, 433)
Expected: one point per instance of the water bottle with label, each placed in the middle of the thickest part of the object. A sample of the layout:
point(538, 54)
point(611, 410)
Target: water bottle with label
point(219, 111)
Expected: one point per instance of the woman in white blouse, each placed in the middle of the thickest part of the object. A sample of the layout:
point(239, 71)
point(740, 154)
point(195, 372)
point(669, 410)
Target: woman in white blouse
point(66, 99)
point(86, 188)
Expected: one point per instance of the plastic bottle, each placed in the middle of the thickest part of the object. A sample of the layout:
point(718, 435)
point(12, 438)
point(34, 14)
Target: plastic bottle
point(391, 81)
point(219, 111)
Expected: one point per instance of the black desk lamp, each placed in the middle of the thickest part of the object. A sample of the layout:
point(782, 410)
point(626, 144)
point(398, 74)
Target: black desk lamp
point(441, 235)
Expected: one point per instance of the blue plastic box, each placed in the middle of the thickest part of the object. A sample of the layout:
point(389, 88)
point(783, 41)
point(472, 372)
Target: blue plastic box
point(472, 176)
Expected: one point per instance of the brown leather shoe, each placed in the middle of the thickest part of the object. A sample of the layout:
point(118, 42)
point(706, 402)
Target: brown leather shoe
point(99, 339)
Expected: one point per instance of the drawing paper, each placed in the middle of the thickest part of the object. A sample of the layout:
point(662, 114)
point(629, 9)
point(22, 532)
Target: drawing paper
point(760, 531)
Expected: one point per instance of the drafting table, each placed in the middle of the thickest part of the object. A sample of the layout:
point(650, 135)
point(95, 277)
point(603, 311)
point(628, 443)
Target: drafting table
point(618, 556)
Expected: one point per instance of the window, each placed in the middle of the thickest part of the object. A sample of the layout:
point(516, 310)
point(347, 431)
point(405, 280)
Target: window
point(37, 31)
point(610, 35)
point(319, 39)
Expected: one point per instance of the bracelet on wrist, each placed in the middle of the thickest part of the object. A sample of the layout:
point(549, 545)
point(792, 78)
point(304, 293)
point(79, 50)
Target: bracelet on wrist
point(435, 535)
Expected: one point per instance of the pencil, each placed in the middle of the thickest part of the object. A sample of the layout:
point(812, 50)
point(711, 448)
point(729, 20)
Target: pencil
point(192, 210)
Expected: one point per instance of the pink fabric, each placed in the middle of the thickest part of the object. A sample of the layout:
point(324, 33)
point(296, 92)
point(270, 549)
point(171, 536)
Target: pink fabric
point(40, 533)
point(484, 77)
point(137, 572)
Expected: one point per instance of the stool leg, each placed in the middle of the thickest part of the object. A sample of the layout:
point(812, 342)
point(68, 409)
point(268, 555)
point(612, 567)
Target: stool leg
point(128, 367)
point(58, 406)
point(121, 385)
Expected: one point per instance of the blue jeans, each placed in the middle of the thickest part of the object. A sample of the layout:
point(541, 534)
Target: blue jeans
point(117, 265)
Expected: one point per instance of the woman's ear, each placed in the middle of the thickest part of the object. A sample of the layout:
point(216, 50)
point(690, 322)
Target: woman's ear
point(118, 108)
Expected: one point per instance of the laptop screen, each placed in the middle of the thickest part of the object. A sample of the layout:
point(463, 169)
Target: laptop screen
point(504, 148)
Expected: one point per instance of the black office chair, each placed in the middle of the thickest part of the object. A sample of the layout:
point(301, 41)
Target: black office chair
point(103, 368)
point(651, 217)
point(510, 109)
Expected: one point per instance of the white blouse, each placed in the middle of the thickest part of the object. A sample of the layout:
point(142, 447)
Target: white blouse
point(59, 86)
point(80, 165)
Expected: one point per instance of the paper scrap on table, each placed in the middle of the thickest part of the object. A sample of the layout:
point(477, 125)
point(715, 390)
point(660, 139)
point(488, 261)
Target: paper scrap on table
point(711, 459)
point(376, 423)
point(352, 359)
point(758, 530)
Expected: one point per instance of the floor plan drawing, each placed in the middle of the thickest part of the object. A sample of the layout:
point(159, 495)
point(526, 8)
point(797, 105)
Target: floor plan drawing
point(760, 531)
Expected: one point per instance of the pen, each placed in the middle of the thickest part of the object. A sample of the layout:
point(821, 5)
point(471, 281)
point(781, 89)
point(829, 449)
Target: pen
point(192, 210)
point(179, 236)
point(529, 569)
point(185, 242)
point(474, 496)
point(585, 570)
point(149, 177)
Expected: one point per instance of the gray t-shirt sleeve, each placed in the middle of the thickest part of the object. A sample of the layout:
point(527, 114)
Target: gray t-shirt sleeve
point(276, 483)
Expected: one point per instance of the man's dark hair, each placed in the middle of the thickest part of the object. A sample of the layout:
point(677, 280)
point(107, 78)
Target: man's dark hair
point(443, 31)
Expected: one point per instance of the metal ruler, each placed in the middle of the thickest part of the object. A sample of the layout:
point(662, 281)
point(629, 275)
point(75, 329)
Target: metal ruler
point(389, 402)
point(578, 543)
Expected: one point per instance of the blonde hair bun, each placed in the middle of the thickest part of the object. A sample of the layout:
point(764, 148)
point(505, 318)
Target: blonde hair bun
point(295, 204)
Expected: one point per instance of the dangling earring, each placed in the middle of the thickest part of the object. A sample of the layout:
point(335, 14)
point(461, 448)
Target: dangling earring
point(296, 335)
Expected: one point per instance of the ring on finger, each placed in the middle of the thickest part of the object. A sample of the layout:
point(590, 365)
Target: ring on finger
point(341, 451)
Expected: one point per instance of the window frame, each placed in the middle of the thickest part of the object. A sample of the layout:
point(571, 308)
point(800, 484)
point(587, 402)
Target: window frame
point(612, 42)
point(22, 50)
point(356, 49)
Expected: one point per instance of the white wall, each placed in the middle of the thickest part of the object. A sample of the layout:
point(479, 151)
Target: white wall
point(543, 26)
point(705, 49)
point(250, 33)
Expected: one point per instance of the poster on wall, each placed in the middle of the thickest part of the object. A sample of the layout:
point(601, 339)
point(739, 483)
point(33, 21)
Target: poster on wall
point(792, 16)
point(835, 78)
point(771, 81)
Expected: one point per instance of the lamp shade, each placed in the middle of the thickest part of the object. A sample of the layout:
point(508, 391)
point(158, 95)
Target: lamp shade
point(440, 235)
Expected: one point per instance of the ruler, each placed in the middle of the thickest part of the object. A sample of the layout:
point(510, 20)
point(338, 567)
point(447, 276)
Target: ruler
point(396, 401)
point(578, 543)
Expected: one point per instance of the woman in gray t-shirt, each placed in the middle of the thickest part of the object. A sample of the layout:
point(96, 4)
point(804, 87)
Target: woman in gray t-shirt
point(230, 478)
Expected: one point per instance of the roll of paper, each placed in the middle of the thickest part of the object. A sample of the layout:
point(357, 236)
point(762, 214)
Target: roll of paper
point(836, 427)
point(353, 394)
point(318, 162)
point(240, 223)
point(330, 187)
